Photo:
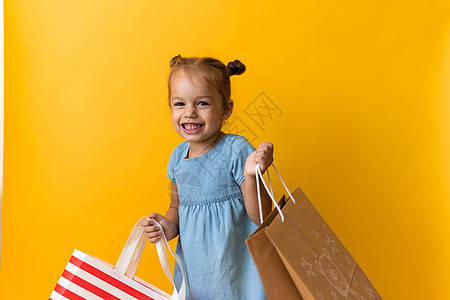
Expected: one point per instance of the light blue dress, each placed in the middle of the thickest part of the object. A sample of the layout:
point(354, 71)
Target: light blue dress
point(214, 223)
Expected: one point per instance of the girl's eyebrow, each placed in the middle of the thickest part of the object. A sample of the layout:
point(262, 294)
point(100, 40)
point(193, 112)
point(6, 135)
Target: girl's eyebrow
point(205, 96)
point(198, 97)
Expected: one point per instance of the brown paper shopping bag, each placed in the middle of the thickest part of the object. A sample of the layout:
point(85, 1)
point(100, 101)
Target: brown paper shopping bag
point(311, 257)
point(275, 278)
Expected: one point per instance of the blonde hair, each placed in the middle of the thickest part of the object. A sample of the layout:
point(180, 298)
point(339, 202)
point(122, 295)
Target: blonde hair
point(210, 71)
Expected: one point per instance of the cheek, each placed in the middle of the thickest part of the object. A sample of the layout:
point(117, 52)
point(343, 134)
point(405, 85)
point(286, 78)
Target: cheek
point(214, 118)
point(175, 117)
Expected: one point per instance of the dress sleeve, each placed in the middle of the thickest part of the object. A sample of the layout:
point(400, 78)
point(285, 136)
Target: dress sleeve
point(171, 166)
point(240, 150)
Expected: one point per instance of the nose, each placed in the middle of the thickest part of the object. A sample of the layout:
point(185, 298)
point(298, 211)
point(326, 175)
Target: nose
point(190, 112)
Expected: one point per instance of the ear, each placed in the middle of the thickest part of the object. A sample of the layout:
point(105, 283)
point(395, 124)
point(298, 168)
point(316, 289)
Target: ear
point(227, 110)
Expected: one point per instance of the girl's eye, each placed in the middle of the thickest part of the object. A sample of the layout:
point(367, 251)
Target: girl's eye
point(178, 104)
point(202, 103)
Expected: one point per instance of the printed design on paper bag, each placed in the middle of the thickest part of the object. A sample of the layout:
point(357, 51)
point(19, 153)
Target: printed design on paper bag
point(349, 275)
point(332, 245)
point(349, 261)
point(308, 267)
point(336, 265)
point(316, 233)
point(369, 291)
point(357, 295)
point(328, 268)
point(261, 109)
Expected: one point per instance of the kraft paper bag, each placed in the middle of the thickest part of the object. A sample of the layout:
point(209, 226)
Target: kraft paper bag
point(318, 264)
point(87, 277)
point(275, 278)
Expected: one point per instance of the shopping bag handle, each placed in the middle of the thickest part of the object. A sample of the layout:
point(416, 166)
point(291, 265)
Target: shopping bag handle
point(162, 254)
point(132, 252)
point(259, 175)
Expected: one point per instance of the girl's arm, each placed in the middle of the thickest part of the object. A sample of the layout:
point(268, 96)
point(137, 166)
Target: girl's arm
point(169, 222)
point(172, 212)
point(264, 156)
point(249, 191)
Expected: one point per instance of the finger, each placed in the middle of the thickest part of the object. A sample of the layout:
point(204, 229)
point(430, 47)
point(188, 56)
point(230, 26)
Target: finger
point(259, 159)
point(264, 151)
point(151, 229)
point(151, 235)
point(153, 215)
point(266, 145)
point(158, 218)
point(155, 239)
point(264, 158)
point(265, 163)
point(267, 157)
point(264, 167)
point(145, 223)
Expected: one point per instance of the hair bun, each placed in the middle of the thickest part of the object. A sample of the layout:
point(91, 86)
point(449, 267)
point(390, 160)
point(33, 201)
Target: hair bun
point(175, 60)
point(235, 67)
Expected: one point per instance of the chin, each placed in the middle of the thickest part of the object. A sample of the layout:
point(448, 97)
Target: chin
point(194, 139)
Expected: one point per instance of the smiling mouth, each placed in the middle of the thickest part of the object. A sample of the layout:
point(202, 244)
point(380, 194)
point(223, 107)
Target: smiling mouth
point(191, 126)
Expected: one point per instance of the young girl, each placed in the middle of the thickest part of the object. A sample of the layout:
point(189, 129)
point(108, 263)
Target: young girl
point(214, 205)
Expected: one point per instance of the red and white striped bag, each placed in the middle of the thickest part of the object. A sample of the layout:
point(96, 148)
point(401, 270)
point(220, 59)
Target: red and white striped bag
point(87, 277)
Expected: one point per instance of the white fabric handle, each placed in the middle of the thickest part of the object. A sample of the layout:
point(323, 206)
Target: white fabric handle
point(131, 254)
point(162, 254)
point(271, 195)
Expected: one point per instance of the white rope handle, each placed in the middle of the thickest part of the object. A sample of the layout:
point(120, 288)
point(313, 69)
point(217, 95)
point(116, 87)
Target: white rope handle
point(162, 254)
point(259, 175)
point(282, 181)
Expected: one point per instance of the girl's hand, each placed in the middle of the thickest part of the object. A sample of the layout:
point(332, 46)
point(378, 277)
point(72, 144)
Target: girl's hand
point(154, 232)
point(263, 155)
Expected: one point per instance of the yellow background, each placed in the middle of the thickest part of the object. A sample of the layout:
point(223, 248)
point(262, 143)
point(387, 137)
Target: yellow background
point(365, 129)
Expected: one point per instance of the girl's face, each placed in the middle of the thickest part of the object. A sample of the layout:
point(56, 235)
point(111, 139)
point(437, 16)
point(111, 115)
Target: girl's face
point(197, 111)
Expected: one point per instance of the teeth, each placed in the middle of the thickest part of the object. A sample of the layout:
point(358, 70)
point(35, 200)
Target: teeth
point(191, 126)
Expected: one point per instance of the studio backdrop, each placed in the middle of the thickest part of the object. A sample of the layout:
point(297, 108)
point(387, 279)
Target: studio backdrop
point(353, 94)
